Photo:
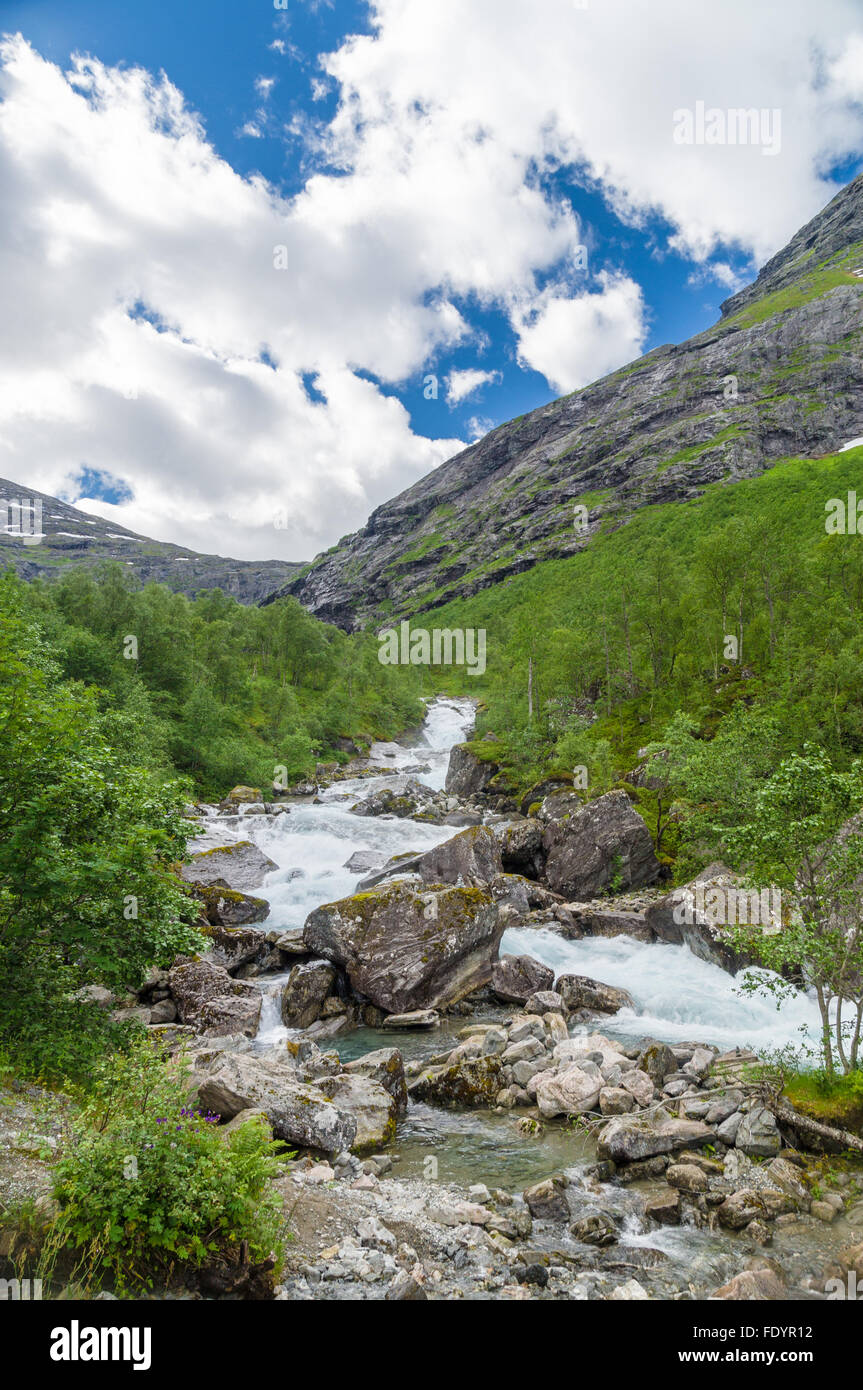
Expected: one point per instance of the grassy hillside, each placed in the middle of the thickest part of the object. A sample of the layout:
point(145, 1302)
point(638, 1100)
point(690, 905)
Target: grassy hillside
point(618, 638)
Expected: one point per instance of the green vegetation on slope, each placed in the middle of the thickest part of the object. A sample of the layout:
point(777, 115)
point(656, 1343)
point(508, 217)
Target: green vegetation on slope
point(210, 688)
point(614, 640)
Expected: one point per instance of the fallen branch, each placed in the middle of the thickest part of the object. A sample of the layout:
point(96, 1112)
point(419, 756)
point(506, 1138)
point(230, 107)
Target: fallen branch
point(802, 1124)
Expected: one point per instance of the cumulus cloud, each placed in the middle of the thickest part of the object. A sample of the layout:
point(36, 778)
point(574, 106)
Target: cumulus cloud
point(148, 333)
point(574, 341)
point(462, 383)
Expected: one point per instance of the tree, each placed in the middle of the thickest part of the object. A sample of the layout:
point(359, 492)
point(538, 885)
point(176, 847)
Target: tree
point(803, 837)
point(86, 840)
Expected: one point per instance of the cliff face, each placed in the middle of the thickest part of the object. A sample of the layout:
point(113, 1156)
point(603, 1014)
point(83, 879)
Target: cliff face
point(779, 375)
point(73, 537)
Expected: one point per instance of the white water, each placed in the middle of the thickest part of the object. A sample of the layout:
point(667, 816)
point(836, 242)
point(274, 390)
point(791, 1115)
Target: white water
point(312, 844)
point(678, 997)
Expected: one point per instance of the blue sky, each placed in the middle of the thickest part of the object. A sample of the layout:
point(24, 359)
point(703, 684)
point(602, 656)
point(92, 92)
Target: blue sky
point(451, 201)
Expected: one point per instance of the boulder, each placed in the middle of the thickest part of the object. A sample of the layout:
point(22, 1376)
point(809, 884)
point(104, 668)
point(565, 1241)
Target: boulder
point(571, 1091)
point(580, 992)
point(634, 1137)
point(211, 1001)
point(236, 946)
point(226, 907)
point(304, 992)
point(470, 1081)
point(406, 949)
point(754, 1204)
point(386, 1067)
point(240, 795)
point(758, 1134)
point(753, 1286)
point(242, 866)
point(543, 1002)
point(590, 848)
point(416, 1019)
point(374, 1108)
point(466, 773)
point(299, 1114)
point(657, 1060)
point(472, 857)
point(546, 1200)
point(599, 921)
point(697, 915)
point(515, 978)
point(664, 1208)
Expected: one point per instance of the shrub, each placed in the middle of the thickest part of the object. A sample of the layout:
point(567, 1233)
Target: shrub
point(149, 1181)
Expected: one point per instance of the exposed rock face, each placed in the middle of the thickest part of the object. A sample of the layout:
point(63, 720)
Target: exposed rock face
point(467, 774)
point(658, 430)
point(590, 847)
point(242, 866)
point(515, 978)
point(405, 949)
point(580, 992)
point(374, 1108)
point(304, 993)
point(212, 1002)
point(73, 536)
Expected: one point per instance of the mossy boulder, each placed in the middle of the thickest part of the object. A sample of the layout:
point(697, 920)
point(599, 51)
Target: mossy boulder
point(468, 1082)
point(405, 947)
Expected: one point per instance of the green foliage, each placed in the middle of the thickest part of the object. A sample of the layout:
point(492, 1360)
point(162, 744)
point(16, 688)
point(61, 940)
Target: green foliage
point(217, 691)
point(790, 839)
point(86, 840)
point(148, 1180)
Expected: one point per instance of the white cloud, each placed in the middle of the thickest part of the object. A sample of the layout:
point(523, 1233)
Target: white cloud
point(574, 341)
point(251, 130)
point(434, 198)
point(463, 383)
point(264, 85)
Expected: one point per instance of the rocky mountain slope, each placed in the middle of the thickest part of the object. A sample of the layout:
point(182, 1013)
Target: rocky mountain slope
point(779, 375)
point(73, 537)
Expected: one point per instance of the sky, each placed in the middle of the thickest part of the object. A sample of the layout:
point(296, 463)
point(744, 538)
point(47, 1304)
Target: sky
point(265, 264)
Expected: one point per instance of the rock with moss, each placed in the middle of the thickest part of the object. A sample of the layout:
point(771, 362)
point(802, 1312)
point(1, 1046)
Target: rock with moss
point(385, 1066)
point(470, 857)
point(242, 866)
point(468, 1082)
point(300, 1114)
point(405, 947)
point(305, 991)
point(223, 906)
point(373, 1107)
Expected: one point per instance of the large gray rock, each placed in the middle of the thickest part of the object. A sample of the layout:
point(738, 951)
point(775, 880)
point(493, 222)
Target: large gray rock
point(520, 844)
point(515, 978)
point(571, 1091)
point(405, 949)
point(580, 992)
point(590, 848)
point(304, 993)
point(385, 1066)
point(299, 1114)
point(758, 1134)
point(472, 857)
point(699, 913)
point(634, 1137)
point(374, 1108)
point(470, 1081)
point(223, 906)
point(242, 866)
point(466, 773)
point(209, 1000)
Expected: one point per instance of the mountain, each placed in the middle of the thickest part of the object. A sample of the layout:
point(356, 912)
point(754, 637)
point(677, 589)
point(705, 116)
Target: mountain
point(780, 374)
point(73, 537)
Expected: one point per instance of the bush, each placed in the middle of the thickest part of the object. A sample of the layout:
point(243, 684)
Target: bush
point(149, 1181)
